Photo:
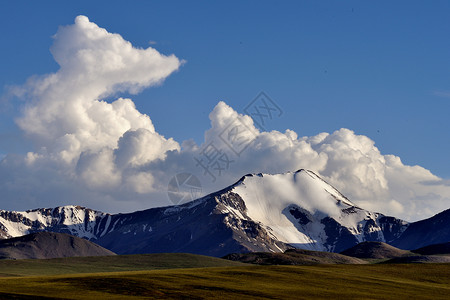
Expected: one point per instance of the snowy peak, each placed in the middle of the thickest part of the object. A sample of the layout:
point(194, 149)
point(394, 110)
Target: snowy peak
point(301, 209)
point(302, 184)
point(267, 196)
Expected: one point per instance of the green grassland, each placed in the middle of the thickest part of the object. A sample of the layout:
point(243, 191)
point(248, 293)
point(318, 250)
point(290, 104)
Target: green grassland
point(185, 276)
point(101, 264)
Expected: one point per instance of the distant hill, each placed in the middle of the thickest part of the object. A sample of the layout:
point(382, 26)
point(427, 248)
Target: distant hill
point(375, 250)
point(293, 257)
point(443, 248)
point(49, 245)
point(419, 259)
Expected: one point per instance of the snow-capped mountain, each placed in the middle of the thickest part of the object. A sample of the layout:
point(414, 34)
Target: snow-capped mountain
point(260, 212)
point(75, 220)
point(303, 210)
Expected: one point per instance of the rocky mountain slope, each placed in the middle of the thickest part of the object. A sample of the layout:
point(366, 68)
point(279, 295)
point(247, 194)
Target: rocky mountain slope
point(434, 230)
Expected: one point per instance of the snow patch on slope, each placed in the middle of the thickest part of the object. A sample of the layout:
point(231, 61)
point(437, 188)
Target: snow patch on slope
point(77, 220)
point(269, 199)
point(266, 196)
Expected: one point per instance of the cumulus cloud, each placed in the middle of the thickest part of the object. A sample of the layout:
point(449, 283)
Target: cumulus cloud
point(108, 155)
point(350, 162)
point(80, 137)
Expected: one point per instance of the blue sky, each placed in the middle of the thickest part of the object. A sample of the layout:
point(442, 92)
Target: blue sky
point(381, 69)
point(375, 68)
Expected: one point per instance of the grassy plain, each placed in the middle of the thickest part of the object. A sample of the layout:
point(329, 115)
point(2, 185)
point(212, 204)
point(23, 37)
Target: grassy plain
point(101, 264)
point(159, 276)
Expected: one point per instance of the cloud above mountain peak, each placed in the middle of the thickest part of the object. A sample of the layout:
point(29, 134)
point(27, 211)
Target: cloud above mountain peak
point(108, 155)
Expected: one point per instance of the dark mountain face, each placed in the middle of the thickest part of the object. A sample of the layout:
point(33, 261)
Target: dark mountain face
point(434, 230)
point(205, 226)
point(253, 215)
point(49, 245)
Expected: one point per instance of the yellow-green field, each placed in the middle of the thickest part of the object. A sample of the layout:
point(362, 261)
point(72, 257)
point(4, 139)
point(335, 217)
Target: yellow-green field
point(101, 264)
point(418, 281)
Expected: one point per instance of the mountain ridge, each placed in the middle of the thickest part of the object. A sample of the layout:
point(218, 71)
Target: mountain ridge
point(258, 213)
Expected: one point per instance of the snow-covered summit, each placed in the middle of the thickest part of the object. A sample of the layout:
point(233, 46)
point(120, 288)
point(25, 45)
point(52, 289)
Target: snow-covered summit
point(301, 209)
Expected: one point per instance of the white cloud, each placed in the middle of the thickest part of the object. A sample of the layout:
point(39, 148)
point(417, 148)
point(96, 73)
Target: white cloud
point(108, 156)
point(350, 162)
point(80, 138)
point(66, 106)
point(443, 94)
